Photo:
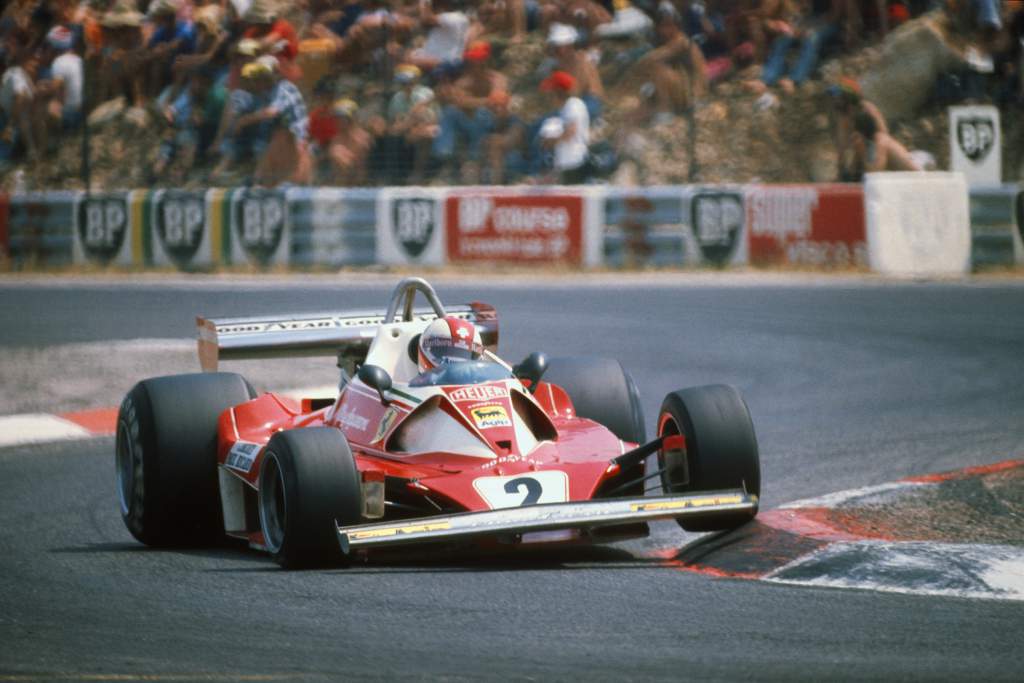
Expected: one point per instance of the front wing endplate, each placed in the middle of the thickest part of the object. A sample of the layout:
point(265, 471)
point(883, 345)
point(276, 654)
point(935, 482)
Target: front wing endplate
point(575, 515)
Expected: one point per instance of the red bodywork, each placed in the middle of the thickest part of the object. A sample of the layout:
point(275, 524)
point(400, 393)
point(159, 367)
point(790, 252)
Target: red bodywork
point(578, 447)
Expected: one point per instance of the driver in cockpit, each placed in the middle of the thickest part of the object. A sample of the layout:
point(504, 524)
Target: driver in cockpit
point(449, 340)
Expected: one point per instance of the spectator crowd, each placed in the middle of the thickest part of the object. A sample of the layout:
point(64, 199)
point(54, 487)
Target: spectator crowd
point(353, 92)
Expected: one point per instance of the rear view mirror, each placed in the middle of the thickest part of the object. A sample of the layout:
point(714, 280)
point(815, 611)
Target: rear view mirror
point(532, 368)
point(377, 378)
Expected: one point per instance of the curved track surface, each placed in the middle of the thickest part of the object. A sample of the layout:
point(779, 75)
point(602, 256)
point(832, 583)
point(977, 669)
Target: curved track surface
point(850, 384)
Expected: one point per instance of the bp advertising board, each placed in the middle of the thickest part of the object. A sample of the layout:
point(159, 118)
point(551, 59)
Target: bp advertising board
point(180, 230)
point(489, 226)
point(103, 232)
point(409, 227)
point(975, 143)
point(259, 231)
point(717, 221)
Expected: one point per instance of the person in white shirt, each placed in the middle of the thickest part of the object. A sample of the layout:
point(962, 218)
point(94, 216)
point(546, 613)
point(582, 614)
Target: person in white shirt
point(17, 101)
point(60, 95)
point(446, 37)
point(571, 139)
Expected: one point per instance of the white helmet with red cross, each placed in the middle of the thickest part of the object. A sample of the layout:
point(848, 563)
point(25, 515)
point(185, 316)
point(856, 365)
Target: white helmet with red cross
point(449, 339)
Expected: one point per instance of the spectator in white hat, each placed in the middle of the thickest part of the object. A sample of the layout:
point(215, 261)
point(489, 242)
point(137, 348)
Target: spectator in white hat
point(563, 43)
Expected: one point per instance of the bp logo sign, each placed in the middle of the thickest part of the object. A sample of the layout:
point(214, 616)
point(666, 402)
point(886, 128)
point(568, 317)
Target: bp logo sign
point(180, 220)
point(259, 223)
point(717, 220)
point(412, 221)
point(976, 135)
point(102, 226)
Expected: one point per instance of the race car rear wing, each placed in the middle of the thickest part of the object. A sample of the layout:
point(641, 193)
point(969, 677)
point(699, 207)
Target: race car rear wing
point(547, 517)
point(346, 335)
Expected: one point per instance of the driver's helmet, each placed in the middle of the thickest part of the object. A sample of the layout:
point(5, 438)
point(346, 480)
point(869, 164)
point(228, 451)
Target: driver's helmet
point(449, 339)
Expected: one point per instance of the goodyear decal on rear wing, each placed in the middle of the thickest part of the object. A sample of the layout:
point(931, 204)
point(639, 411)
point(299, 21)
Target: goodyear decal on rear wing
point(399, 530)
point(687, 503)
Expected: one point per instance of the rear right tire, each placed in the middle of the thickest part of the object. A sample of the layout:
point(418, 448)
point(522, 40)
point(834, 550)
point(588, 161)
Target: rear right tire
point(308, 485)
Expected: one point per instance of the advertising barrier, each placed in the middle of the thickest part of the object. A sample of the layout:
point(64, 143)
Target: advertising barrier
point(807, 225)
point(917, 223)
point(248, 226)
point(975, 144)
point(410, 227)
point(333, 226)
point(104, 233)
point(179, 230)
point(495, 224)
point(674, 225)
point(39, 227)
point(995, 226)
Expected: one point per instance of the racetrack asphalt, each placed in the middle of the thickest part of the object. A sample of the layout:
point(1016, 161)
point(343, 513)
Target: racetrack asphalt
point(850, 384)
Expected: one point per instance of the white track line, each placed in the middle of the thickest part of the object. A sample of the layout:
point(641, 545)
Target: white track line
point(991, 572)
point(38, 428)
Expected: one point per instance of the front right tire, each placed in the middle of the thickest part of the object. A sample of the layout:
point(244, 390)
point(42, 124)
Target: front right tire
point(720, 450)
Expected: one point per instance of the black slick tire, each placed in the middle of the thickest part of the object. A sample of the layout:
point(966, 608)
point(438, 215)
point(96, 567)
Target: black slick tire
point(601, 390)
point(166, 456)
point(721, 449)
point(308, 484)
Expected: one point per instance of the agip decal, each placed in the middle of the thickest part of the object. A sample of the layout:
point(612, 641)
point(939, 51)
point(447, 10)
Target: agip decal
point(490, 416)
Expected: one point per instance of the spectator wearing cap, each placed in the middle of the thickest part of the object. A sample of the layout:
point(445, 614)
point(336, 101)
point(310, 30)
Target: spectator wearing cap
point(413, 122)
point(242, 137)
point(120, 71)
point(349, 147)
point(848, 103)
point(467, 117)
point(563, 43)
point(809, 34)
point(568, 134)
point(212, 38)
point(171, 38)
point(17, 102)
point(448, 27)
point(287, 156)
point(675, 68)
point(276, 36)
point(59, 95)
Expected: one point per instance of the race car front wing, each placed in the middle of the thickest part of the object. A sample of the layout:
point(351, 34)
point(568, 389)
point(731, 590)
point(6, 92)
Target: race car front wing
point(575, 515)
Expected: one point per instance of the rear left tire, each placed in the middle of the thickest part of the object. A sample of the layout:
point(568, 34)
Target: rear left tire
point(601, 390)
point(166, 456)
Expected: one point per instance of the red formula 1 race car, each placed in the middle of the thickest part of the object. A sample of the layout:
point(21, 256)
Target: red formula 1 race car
point(432, 440)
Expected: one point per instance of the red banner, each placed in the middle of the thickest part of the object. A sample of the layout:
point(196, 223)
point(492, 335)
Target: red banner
point(812, 225)
point(514, 228)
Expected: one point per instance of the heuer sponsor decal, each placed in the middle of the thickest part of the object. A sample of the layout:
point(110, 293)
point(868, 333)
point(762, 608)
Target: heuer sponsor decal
point(242, 455)
point(479, 393)
point(488, 417)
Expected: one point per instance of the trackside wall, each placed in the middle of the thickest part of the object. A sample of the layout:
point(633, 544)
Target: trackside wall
point(898, 224)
